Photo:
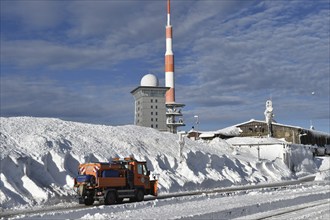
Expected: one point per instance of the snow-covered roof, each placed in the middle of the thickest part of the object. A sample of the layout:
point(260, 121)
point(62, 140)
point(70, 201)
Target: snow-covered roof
point(206, 135)
point(255, 141)
point(229, 132)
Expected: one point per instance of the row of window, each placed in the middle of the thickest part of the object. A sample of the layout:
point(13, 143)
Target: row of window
point(151, 113)
point(156, 107)
point(151, 100)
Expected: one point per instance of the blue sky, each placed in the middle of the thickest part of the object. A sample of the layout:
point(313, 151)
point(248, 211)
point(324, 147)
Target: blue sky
point(79, 60)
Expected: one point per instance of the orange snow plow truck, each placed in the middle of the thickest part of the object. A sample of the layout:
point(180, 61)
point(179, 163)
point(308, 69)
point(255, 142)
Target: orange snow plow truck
point(112, 182)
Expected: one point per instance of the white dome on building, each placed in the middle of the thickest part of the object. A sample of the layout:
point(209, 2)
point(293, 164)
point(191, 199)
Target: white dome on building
point(149, 80)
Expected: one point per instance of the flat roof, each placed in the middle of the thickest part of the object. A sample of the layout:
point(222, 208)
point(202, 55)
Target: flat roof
point(149, 87)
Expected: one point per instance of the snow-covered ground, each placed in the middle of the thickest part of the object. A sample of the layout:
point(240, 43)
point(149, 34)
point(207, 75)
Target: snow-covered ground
point(40, 156)
point(306, 201)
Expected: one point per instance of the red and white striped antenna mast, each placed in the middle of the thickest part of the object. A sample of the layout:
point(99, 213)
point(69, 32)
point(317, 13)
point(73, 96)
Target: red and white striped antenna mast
point(169, 59)
point(173, 109)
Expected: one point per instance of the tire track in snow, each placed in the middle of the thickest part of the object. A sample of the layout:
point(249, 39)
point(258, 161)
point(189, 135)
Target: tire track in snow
point(286, 213)
point(223, 191)
point(248, 211)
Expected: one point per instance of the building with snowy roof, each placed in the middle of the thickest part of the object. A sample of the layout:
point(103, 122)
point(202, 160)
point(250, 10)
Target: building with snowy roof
point(270, 128)
point(258, 128)
point(292, 134)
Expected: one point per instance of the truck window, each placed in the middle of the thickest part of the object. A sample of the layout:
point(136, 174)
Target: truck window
point(145, 170)
point(140, 169)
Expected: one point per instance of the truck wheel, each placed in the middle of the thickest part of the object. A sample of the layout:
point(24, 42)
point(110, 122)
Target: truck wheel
point(139, 195)
point(89, 201)
point(132, 199)
point(110, 199)
point(120, 200)
point(81, 201)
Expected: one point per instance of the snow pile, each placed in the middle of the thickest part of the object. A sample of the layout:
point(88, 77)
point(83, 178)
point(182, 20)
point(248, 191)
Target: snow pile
point(40, 156)
point(323, 164)
point(296, 156)
point(302, 159)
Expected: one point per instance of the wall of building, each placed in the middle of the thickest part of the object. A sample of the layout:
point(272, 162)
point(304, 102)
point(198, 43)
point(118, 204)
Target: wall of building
point(256, 128)
point(150, 110)
point(253, 129)
point(153, 113)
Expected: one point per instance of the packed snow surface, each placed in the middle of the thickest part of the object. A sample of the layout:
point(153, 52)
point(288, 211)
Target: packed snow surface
point(40, 156)
point(304, 201)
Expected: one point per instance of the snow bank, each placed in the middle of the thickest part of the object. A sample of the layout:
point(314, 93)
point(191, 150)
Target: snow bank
point(323, 164)
point(40, 156)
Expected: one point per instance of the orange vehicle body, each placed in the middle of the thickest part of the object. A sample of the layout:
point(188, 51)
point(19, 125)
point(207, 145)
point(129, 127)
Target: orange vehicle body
point(114, 181)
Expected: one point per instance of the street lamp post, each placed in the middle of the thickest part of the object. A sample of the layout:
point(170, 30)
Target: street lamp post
point(197, 122)
point(259, 147)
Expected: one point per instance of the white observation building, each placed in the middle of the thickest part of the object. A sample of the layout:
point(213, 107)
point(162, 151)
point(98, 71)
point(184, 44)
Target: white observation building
point(150, 110)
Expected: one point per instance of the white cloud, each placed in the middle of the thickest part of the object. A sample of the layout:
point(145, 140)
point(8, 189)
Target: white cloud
point(230, 55)
point(33, 14)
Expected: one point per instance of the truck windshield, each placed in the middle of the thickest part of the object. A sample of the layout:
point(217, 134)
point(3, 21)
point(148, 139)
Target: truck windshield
point(142, 169)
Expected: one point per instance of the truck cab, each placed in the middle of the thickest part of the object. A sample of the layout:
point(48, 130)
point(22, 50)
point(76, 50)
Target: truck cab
point(114, 181)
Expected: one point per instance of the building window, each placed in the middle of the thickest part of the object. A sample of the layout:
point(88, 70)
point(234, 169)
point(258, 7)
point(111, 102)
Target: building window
point(152, 107)
point(156, 126)
point(151, 100)
point(156, 119)
point(156, 106)
point(152, 119)
point(152, 126)
point(156, 113)
point(155, 100)
point(152, 113)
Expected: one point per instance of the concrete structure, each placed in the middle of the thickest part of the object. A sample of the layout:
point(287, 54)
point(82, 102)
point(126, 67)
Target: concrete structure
point(174, 117)
point(173, 109)
point(150, 110)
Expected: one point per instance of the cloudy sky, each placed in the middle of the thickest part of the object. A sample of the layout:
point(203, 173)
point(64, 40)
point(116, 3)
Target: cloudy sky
point(79, 60)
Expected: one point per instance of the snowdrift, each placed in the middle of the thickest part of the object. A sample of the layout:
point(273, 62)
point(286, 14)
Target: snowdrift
point(40, 156)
